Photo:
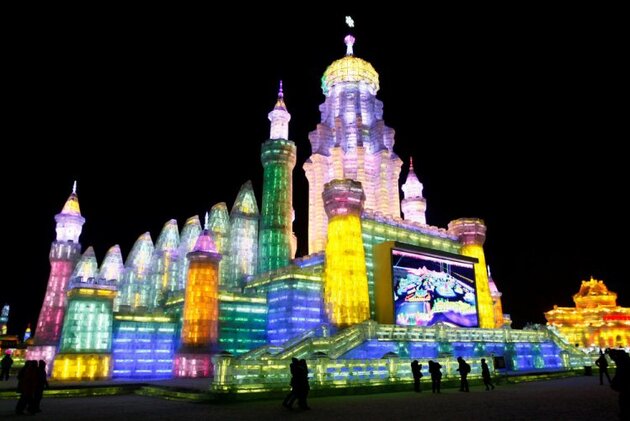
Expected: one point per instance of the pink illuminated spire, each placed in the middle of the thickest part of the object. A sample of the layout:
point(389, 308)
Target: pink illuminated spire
point(205, 243)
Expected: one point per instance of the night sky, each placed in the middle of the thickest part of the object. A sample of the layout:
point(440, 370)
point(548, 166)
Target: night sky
point(161, 114)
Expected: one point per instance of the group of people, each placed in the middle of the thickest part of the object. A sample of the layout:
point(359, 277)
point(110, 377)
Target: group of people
point(32, 380)
point(299, 384)
point(436, 375)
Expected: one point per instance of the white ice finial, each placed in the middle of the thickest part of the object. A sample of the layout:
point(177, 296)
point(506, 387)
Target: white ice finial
point(205, 224)
point(349, 40)
point(349, 21)
point(74, 187)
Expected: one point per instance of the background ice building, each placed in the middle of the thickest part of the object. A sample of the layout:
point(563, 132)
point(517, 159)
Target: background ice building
point(229, 298)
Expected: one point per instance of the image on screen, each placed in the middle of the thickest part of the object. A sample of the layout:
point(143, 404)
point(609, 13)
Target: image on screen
point(430, 289)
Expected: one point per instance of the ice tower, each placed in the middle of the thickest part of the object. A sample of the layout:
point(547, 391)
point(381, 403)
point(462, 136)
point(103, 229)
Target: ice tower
point(278, 156)
point(346, 297)
point(243, 237)
point(64, 253)
point(351, 142)
point(472, 235)
point(134, 288)
point(413, 205)
point(200, 321)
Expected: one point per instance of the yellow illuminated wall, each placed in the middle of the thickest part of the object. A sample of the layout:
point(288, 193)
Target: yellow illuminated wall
point(485, 307)
point(201, 308)
point(82, 367)
point(345, 279)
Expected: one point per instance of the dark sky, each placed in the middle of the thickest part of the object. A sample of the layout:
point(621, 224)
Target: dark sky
point(512, 117)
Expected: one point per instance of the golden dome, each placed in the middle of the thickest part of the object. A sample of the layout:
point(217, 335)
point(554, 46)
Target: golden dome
point(350, 69)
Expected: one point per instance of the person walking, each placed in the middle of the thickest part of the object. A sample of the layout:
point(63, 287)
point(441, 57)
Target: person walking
point(602, 363)
point(416, 371)
point(302, 383)
point(292, 396)
point(485, 374)
point(464, 369)
point(6, 364)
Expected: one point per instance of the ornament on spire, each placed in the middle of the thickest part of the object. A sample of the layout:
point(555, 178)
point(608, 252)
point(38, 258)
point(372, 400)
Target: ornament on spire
point(74, 187)
point(280, 92)
point(349, 39)
point(205, 223)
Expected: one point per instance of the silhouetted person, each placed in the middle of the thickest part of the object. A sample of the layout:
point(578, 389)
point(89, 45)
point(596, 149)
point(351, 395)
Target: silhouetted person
point(416, 371)
point(485, 374)
point(621, 381)
point(464, 369)
point(302, 384)
point(436, 376)
point(27, 382)
point(602, 363)
point(292, 396)
point(42, 382)
point(6, 364)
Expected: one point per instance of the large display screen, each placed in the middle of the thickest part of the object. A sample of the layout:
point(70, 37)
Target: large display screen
point(429, 289)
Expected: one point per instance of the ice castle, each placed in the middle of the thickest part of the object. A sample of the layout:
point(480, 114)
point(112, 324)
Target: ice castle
point(228, 299)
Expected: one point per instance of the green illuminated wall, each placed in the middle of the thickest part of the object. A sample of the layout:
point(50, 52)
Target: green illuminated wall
point(242, 322)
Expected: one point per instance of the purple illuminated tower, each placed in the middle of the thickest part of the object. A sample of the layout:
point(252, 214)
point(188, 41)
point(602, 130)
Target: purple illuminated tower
point(64, 253)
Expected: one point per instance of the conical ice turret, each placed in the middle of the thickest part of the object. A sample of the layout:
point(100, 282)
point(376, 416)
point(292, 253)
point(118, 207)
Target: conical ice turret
point(190, 233)
point(413, 205)
point(135, 289)
point(219, 225)
point(243, 237)
point(164, 264)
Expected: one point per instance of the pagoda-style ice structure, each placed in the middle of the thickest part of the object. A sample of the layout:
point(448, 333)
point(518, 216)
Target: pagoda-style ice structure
point(232, 301)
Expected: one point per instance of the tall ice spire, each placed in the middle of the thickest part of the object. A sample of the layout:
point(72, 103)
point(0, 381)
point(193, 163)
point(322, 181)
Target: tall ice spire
point(351, 142)
point(69, 220)
point(279, 118)
point(413, 205)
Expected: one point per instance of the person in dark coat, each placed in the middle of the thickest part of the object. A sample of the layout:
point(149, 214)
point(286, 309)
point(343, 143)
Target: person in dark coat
point(464, 369)
point(602, 363)
point(27, 382)
point(292, 396)
point(485, 374)
point(42, 382)
point(302, 384)
point(621, 382)
point(6, 364)
point(436, 375)
point(416, 371)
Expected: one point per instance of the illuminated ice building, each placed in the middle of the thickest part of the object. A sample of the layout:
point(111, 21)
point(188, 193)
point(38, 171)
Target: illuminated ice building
point(229, 299)
point(596, 321)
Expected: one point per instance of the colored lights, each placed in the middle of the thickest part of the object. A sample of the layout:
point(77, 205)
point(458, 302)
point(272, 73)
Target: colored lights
point(596, 320)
